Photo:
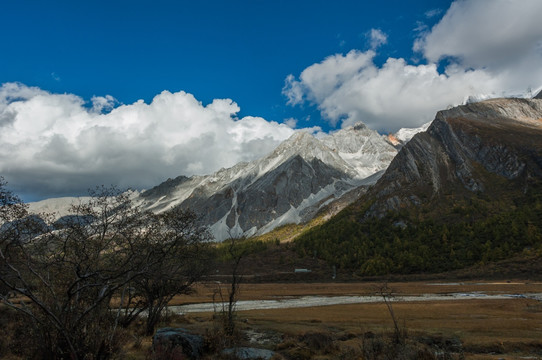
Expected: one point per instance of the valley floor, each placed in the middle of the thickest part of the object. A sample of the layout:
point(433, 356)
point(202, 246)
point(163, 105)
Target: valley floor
point(486, 326)
point(484, 319)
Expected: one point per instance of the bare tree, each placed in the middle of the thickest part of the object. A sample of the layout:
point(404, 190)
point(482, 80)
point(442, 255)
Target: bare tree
point(12, 213)
point(388, 296)
point(235, 252)
point(183, 248)
point(67, 273)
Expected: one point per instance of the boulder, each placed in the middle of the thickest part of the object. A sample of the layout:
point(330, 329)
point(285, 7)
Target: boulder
point(176, 342)
point(247, 353)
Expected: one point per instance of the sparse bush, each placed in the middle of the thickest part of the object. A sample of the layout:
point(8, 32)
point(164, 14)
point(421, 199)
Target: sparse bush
point(384, 346)
point(319, 342)
point(308, 345)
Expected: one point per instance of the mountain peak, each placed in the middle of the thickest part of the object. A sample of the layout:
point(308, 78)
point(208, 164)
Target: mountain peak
point(463, 148)
point(359, 126)
point(394, 140)
point(405, 134)
point(289, 185)
point(497, 112)
point(300, 137)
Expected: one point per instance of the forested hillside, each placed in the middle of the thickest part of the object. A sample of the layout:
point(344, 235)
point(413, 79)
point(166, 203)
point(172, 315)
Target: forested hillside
point(475, 230)
point(467, 191)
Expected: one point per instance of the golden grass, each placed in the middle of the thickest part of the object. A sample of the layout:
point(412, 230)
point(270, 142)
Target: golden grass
point(505, 327)
point(475, 321)
point(488, 329)
point(288, 232)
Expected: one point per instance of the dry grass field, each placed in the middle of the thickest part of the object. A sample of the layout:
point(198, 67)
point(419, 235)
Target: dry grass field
point(465, 328)
point(493, 326)
point(487, 329)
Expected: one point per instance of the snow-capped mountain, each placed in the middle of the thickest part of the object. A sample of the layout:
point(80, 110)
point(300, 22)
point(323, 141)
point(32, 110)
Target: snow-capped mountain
point(405, 134)
point(362, 148)
point(289, 185)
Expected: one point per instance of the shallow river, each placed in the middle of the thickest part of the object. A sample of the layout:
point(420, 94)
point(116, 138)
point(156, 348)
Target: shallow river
point(309, 301)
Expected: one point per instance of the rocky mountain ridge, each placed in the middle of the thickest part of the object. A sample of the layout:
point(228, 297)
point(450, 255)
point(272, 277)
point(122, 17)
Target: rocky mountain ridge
point(466, 192)
point(289, 185)
point(462, 147)
point(460, 151)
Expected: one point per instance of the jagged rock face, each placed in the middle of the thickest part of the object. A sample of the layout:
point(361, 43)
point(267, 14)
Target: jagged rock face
point(264, 198)
point(500, 136)
point(361, 148)
point(284, 188)
point(164, 188)
point(394, 140)
point(289, 185)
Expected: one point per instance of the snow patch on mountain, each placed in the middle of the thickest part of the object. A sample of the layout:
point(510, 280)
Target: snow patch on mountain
point(289, 185)
point(405, 134)
point(57, 207)
point(362, 149)
point(62, 206)
point(354, 153)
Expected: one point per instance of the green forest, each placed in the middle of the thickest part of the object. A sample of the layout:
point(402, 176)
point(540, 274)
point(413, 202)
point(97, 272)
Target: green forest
point(469, 231)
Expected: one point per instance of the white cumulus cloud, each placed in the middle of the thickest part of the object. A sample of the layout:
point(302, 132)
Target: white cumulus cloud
point(377, 38)
point(502, 37)
point(491, 48)
point(57, 144)
point(103, 103)
point(351, 88)
point(485, 33)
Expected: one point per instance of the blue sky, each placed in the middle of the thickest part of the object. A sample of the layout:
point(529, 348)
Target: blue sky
point(226, 81)
point(242, 50)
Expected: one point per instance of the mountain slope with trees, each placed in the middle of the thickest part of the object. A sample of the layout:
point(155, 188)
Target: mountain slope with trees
point(467, 191)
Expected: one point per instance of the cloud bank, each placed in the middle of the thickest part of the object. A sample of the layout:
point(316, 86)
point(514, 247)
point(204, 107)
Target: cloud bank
point(487, 49)
point(56, 144)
